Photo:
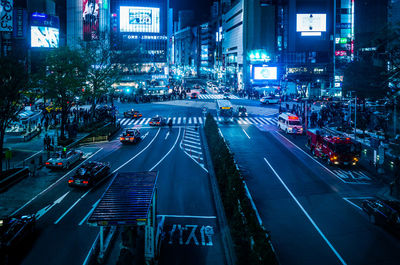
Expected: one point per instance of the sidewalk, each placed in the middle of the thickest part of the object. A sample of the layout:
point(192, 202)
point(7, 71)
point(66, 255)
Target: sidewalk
point(22, 151)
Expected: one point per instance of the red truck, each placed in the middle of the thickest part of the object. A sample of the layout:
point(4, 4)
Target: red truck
point(335, 150)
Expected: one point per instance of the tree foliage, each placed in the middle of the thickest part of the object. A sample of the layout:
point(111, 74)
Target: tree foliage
point(63, 76)
point(102, 70)
point(13, 85)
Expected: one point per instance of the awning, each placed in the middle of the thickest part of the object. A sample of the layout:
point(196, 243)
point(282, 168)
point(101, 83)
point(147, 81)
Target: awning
point(126, 201)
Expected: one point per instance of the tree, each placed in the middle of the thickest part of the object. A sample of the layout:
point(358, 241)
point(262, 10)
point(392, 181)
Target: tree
point(13, 84)
point(63, 76)
point(102, 71)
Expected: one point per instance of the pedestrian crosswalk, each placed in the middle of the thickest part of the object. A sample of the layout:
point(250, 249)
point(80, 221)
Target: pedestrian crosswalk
point(255, 120)
point(215, 96)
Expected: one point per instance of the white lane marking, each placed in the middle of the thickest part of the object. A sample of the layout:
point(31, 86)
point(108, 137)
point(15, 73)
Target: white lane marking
point(184, 120)
point(145, 135)
point(90, 212)
point(136, 122)
point(179, 133)
point(246, 134)
point(86, 261)
point(192, 138)
point(195, 120)
point(147, 121)
point(239, 121)
point(131, 122)
point(142, 121)
point(247, 120)
point(187, 216)
point(306, 214)
point(192, 142)
point(192, 146)
point(166, 136)
point(43, 211)
point(141, 151)
point(327, 169)
point(190, 120)
point(191, 133)
point(35, 154)
point(259, 121)
point(352, 203)
point(52, 185)
point(72, 206)
point(179, 120)
point(193, 151)
point(173, 120)
point(200, 120)
point(119, 120)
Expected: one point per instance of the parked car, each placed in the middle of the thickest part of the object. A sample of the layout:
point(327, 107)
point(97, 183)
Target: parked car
point(63, 159)
point(269, 100)
point(89, 174)
point(157, 121)
point(130, 136)
point(132, 114)
point(15, 231)
point(383, 212)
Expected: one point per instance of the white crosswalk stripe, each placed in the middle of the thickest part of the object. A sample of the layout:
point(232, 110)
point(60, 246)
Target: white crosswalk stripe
point(216, 96)
point(256, 120)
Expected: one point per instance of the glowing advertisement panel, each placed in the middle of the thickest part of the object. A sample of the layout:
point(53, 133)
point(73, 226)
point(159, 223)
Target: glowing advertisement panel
point(311, 23)
point(265, 73)
point(44, 37)
point(139, 19)
point(90, 18)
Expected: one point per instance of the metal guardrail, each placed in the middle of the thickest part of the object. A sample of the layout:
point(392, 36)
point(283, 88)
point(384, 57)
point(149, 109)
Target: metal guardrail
point(6, 182)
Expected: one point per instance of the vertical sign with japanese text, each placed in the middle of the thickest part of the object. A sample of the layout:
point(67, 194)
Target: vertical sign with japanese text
point(6, 15)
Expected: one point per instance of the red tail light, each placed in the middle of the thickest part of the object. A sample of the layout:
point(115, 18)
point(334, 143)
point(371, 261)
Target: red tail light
point(158, 122)
point(85, 182)
point(121, 138)
point(132, 138)
point(70, 181)
point(59, 164)
point(47, 163)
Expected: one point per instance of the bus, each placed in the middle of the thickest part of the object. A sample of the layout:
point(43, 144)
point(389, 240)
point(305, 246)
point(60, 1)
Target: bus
point(224, 111)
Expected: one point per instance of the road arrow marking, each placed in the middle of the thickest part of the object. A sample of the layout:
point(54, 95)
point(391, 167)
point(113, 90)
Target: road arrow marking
point(166, 136)
point(144, 136)
point(89, 213)
point(43, 211)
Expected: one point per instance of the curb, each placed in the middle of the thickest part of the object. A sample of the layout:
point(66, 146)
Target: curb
point(230, 256)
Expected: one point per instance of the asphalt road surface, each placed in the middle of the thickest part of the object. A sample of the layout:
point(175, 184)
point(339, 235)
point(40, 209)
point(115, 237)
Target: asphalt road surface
point(184, 198)
point(306, 205)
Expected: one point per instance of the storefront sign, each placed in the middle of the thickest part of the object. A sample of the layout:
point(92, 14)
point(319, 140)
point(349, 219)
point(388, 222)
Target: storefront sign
point(6, 15)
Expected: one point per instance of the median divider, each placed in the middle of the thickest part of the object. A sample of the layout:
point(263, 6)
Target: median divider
point(251, 244)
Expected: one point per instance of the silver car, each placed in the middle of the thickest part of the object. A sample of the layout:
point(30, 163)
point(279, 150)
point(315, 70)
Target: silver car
point(64, 159)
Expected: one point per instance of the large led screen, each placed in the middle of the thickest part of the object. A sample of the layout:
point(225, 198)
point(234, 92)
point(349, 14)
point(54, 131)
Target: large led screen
point(44, 37)
point(265, 73)
point(90, 18)
point(139, 19)
point(311, 23)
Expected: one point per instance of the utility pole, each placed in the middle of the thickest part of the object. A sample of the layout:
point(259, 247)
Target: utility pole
point(350, 109)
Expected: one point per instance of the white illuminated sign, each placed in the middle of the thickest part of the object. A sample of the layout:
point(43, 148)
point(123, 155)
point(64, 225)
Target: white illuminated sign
point(45, 37)
point(139, 19)
point(311, 24)
point(265, 73)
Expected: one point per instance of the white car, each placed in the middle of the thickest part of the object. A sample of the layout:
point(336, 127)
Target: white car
point(64, 159)
point(269, 100)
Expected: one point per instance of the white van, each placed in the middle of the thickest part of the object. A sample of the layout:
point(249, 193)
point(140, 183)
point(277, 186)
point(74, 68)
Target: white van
point(290, 123)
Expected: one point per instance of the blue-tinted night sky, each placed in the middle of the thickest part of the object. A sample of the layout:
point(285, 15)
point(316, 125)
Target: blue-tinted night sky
point(201, 7)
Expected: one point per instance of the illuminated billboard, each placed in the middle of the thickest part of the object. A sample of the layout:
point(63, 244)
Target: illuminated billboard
point(90, 18)
point(265, 73)
point(311, 24)
point(139, 19)
point(44, 37)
